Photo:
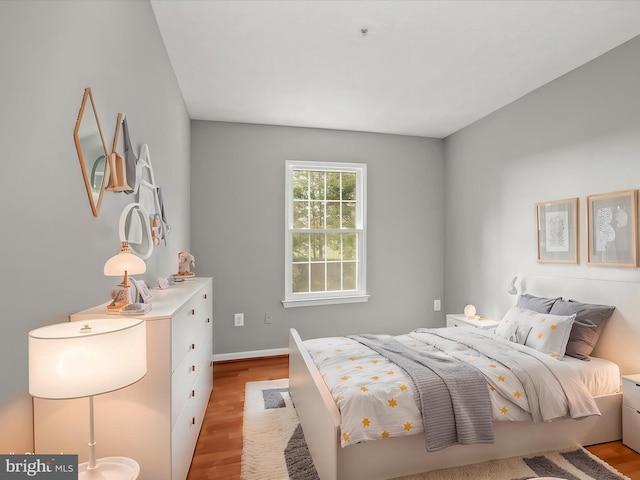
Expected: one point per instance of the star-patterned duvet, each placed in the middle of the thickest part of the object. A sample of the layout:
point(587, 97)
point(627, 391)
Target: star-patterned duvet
point(376, 398)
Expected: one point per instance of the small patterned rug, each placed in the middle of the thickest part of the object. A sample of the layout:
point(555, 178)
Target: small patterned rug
point(274, 448)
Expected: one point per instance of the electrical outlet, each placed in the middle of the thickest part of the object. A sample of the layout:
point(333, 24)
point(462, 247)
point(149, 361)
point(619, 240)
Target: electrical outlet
point(436, 305)
point(267, 318)
point(238, 319)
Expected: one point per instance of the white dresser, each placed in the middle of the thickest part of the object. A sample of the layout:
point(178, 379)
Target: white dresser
point(460, 320)
point(631, 411)
point(157, 420)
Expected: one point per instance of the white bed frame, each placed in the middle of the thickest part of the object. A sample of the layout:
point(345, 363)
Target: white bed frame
point(406, 455)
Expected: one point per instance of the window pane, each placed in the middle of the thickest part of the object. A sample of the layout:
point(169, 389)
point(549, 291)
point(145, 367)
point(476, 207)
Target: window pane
point(300, 185)
point(334, 276)
point(348, 215)
point(300, 247)
point(317, 215)
point(317, 185)
point(333, 214)
point(334, 246)
point(301, 214)
point(326, 235)
point(300, 277)
point(333, 185)
point(348, 186)
point(317, 277)
point(349, 276)
point(317, 246)
point(349, 246)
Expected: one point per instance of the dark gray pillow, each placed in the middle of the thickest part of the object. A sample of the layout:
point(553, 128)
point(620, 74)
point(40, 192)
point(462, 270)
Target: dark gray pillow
point(587, 327)
point(537, 304)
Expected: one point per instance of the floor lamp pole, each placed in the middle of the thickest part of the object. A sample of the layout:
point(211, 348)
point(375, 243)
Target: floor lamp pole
point(92, 441)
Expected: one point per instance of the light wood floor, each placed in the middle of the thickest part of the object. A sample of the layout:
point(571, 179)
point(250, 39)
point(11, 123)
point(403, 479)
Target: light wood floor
point(219, 447)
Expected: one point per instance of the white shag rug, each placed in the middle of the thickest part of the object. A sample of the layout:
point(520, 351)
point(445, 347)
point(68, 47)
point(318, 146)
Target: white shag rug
point(273, 445)
point(572, 464)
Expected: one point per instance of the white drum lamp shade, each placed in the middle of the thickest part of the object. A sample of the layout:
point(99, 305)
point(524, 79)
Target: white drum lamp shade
point(83, 359)
point(69, 360)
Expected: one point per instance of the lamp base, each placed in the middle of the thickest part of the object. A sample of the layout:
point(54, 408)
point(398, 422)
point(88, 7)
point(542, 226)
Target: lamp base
point(110, 468)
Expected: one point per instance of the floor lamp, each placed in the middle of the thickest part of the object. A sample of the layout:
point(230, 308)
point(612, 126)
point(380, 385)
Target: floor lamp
point(83, 359)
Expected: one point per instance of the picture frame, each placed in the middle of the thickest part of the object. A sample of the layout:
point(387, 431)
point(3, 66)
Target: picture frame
point(612, 229)
point(556, 230)
point(142, 291)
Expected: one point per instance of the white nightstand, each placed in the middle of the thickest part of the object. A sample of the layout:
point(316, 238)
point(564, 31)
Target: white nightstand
point(631, 411)
point(460, 320)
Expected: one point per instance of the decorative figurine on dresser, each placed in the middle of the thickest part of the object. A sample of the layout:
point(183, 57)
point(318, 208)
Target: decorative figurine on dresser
point(185, 262)
point(158, 419)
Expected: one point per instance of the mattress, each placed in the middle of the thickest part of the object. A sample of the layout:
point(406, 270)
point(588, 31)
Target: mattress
point(601, 376)
point(376, 397)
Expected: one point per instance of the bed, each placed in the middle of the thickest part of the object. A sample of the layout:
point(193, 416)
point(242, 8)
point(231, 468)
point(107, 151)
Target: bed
point(402, 455)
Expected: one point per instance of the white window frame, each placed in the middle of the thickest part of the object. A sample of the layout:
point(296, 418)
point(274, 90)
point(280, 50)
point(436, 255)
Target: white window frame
point(306, 299)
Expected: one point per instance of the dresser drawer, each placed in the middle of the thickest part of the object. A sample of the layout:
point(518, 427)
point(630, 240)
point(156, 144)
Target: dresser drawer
point(631, 427)
point(452, 322)
point(187, 426)
point(186, 327)
point(182, 325)
point(631, 389)
point(183, 381)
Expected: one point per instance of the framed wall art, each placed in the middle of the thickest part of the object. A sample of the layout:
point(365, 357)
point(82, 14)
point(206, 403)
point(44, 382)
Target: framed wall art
point(612, 238)
point(557, 227)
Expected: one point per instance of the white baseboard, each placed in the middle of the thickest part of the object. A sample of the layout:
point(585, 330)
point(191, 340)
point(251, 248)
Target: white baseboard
point(251, 354)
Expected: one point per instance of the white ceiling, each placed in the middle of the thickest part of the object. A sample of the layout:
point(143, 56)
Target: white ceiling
point(426, 68)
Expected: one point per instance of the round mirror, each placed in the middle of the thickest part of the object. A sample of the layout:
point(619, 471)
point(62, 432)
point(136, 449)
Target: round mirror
point(92, 151)
point(97, 174)
point(135, 228)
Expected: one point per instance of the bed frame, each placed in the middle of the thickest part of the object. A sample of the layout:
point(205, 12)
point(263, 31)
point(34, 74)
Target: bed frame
point(406, 455)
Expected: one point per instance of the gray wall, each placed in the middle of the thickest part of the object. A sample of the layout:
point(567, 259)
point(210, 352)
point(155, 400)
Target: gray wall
point(237, 197)
point(576, 136)
point(52, 249)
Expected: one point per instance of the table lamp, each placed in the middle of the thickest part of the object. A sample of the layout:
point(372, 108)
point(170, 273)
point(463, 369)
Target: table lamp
point(470, 311)
point(83, 359)
point(124, 263)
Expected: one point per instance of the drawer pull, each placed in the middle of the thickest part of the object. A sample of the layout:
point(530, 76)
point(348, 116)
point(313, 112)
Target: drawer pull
point(204, 296)
point(193, 368)
point(193, 393)
point(193, 346)
point(208, 320)
point(193, 420)
point(193, 311)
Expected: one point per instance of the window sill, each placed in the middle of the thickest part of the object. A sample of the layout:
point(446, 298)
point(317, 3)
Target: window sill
point(312, 302)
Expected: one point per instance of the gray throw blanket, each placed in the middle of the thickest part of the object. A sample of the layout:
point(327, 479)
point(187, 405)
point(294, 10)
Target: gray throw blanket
point(452, 396)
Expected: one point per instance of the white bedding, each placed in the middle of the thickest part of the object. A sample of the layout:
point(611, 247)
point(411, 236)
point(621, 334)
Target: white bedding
point(376, 398)
point(601, 377)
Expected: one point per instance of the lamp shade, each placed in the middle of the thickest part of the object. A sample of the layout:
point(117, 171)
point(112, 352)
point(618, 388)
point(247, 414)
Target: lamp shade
point(80, 359)
point(470, 310)
point(124, 261)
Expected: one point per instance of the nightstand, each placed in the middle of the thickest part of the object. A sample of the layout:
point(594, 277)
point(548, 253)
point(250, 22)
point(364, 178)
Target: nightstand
point(460, 320)
point(631, 411)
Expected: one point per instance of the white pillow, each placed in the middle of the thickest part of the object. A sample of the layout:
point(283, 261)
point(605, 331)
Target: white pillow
point(547, 333)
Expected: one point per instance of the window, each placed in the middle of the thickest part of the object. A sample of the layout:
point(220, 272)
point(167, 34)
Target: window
point(325, 233)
